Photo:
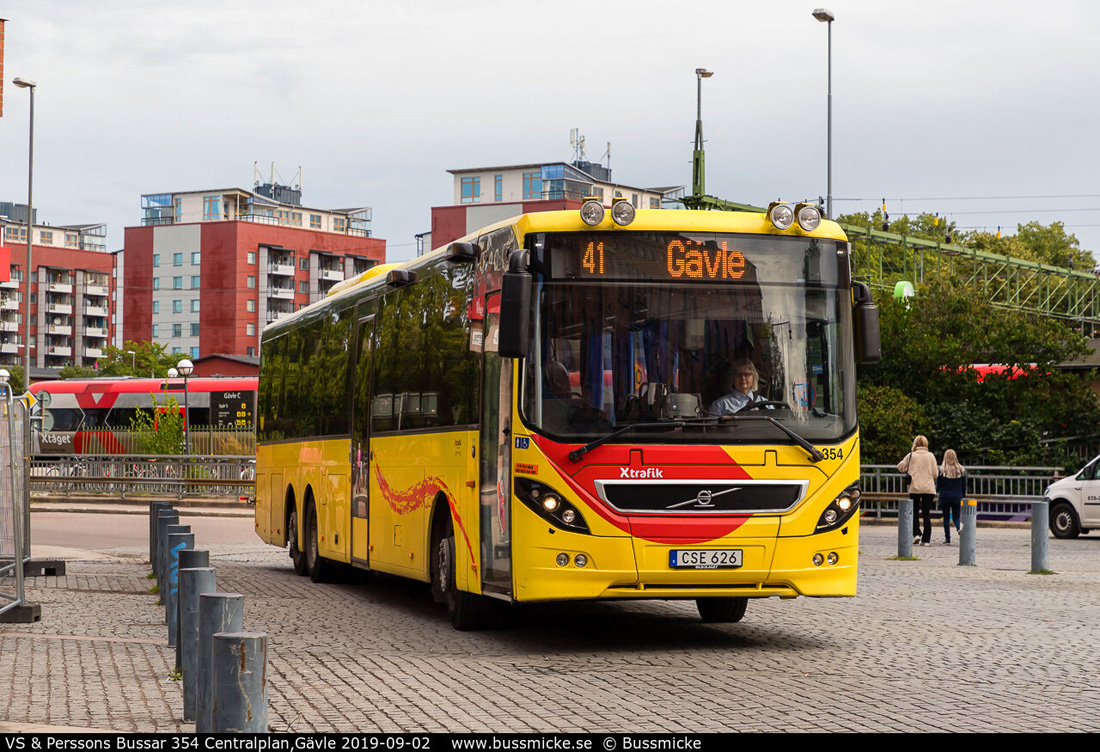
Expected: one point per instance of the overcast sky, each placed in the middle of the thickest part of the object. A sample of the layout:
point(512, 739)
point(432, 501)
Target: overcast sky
point(967, 102)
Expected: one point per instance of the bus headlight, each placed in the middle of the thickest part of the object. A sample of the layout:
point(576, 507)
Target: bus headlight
point(622, 213)
point(780, 215)
point(840, 510)
point(549, 505)
point(592, 212)
point(809, 216)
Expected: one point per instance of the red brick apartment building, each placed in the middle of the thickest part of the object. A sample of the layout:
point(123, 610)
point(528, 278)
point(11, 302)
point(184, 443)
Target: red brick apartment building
point(207, 270)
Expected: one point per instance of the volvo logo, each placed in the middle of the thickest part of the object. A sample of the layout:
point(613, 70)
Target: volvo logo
point(702, 500)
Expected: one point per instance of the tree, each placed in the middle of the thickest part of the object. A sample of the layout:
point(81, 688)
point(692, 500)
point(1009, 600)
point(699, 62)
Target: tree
point(149, 359)
point(160, 430)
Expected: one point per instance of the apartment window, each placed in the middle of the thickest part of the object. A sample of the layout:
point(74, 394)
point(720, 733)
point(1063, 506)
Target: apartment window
point(211, 207)
point(72, 240)
point(339, 224)
point(251, 282)
point(156, 260)
point(178, 204)
point(156, 306)
point(654, 202)
point(498, 188)
point(303, 286)
point(177, 306)
point(250, 330)
point(177, 283)
point(532, 186)
point(195, 329)
point(315, 221)
point(250, 305)
point(156, 283)
point(303, 264)
point(252, 257)
point(194, 352)
point(177, 330)
point(15, 233)
point(196, 258)
point(177, 259)
point(194, 305)
point(471, 190)
point(195, 282)
point(156, 329)
point(252, 352)
point(45, 237)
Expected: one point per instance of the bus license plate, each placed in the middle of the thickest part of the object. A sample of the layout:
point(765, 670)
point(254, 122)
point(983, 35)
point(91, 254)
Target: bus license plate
point(705, 558)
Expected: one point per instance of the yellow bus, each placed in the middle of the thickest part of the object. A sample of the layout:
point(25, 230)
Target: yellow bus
point(594, 404)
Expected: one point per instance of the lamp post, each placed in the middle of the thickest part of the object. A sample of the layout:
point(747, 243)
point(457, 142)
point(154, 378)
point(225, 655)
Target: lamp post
point(827, 17)
point(23, 83)
point(133, 361)
point(186, 368)
point(698, 159)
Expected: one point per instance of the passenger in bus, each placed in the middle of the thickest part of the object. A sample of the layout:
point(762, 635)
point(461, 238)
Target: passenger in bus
point(920, 467)
point(742, 381)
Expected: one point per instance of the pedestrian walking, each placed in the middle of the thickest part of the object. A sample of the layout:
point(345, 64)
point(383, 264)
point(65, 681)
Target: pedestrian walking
point(920, 469)
point(951, 485)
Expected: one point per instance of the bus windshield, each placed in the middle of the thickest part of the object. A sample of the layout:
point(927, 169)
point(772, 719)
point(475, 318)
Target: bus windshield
point(680, 327)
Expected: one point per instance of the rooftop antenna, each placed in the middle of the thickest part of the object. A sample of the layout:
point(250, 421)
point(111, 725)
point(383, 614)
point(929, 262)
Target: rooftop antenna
point(576, 140)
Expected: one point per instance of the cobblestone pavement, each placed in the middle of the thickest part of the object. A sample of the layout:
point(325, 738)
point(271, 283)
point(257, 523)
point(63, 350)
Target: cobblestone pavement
point(927, 645)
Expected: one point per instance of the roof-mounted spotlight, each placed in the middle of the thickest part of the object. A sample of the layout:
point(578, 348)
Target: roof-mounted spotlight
point(622, 212)
point(808, 216)
point(400, 278)
point(780, 215)
point(592, 212)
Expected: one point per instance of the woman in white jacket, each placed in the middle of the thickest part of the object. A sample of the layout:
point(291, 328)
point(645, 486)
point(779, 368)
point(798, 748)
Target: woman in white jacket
point(922, 468)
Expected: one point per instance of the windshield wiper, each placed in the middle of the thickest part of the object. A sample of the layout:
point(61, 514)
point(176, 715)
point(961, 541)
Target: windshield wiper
point(815, 453)
point(576, 454)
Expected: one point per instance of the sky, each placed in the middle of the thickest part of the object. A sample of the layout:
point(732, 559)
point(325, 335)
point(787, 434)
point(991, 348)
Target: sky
point(982, 111)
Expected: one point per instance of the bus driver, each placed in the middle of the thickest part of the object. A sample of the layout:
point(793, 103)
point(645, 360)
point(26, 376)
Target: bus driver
point(745, 379)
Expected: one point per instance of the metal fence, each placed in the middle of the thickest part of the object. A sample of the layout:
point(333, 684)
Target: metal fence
point(14, 519)
point(205, 440)
point(144, 475)
point(1001, 492)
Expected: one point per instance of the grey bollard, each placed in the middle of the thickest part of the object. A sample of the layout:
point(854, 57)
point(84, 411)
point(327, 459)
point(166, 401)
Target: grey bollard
point(1040, 521)
point(240, 683)
point(165, 518)
point(194, 581)
point(218, 612)
point(905, 528)
point(176, 543)
point(154, 509)
point(968, 515)
point(165, 557)
point(190, 558)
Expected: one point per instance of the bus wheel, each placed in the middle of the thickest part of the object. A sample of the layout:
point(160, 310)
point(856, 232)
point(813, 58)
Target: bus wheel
point(723, 610)
point(317, 565)
point(297, 557)
point(468, 611)
point(1063, 521)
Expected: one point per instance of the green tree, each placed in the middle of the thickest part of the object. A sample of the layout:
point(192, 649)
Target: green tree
point(159, 430)
point(149, 359)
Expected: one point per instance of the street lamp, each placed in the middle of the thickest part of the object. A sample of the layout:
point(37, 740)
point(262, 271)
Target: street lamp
point(827, 17)
point(186, 368)
point(698, 171)
point(23, 83)
point(133, 360)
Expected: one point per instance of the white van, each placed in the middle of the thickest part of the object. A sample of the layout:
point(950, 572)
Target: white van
point(1075, 502)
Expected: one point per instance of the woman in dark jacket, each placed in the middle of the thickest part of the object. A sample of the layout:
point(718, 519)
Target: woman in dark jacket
point(951, 485)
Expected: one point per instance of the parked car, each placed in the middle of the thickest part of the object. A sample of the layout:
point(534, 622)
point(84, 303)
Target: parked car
point(1075, 502)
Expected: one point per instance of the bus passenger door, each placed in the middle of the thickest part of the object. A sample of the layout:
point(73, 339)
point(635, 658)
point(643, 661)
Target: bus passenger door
point(495, 452)
point(360, 443)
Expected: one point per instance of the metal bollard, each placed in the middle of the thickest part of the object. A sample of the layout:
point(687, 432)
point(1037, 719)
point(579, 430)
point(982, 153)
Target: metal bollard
point(240, 683)
point(154, 510)
point(166, 558)
point(969, 517)
point(1040, 520)
point(165, 518)
point(190, 558)
point(176, 543)
point(218, 612)
point(905, 528)
point(194, 581)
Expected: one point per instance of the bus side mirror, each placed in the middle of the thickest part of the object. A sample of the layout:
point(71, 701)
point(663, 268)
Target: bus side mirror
point(515, 309)
point(865, 325)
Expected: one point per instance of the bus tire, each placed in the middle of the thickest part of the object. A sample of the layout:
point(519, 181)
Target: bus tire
point(468, 611)
point(297, 556)
point(1063, 521)
point(318, 566)
point(721, 610)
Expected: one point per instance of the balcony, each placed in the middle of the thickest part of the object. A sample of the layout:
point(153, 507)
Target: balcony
point(96, 291)
point(9, 303)
point(282, 293)
point(9, 326)
point(332, 275)
point(62, 308)
point(93, 352)
point(59, 351)
point(282, 269)
point(11, 284)
point(61, 330)
point(95, 310)
point(62, 288)
point(10, 347)
point(95, 331)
